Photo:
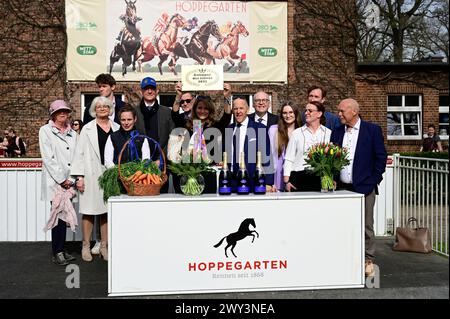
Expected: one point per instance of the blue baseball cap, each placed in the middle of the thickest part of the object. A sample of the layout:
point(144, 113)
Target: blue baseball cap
point(148, 81)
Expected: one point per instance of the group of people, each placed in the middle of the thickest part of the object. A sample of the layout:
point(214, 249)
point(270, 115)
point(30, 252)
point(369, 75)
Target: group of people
point(12, 145)
point(77, 160)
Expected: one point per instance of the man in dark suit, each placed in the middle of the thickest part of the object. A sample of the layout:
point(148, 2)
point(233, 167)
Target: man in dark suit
point(106, 86)
point(261, 103)
point(367, 155)
point(153, 119)
point(248, 136)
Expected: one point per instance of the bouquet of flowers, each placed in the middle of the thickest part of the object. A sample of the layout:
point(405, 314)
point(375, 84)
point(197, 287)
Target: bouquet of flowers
point(327, 159)
point(193, 162)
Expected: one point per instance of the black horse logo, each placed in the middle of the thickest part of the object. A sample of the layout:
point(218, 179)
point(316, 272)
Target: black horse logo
point(242, 232)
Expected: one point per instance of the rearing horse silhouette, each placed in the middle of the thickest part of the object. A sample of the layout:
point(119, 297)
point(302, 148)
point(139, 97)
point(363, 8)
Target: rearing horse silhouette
point(242, 232)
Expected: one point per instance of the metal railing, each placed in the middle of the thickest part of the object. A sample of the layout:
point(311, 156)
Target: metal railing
point(421, 191)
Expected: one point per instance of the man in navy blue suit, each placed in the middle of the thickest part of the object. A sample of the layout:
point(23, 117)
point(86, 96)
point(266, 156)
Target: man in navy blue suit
point(248, 136)
point(367, 155)
point(261, 103)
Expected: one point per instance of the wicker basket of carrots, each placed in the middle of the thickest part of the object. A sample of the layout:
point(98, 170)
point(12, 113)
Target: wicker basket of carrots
point(146, 179)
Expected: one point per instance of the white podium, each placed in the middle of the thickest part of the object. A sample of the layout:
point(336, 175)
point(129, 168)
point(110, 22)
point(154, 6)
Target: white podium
point(174, 244)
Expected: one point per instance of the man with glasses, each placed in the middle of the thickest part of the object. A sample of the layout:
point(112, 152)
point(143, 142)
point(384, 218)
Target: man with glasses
point(185, 100)
point(261, 103)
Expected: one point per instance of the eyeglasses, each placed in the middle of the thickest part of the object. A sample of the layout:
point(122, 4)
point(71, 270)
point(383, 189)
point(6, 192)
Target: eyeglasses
point(310, 111)
point(101, 106)
point(261, 100)
point(186, 101)
point(75, 124)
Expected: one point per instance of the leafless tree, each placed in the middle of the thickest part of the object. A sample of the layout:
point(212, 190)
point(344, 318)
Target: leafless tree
point(407, 30)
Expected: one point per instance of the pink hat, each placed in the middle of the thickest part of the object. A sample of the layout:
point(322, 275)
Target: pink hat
point(58, 105)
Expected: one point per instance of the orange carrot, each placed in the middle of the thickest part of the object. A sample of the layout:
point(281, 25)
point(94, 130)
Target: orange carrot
point(156, 179)
point(142, 177)
point(136, 176)
point(149, 179)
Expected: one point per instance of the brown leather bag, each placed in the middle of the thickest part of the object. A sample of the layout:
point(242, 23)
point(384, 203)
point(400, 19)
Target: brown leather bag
point(412, 239)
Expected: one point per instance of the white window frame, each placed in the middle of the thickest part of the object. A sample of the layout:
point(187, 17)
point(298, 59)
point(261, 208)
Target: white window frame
point(406, 109)
point(443, 109)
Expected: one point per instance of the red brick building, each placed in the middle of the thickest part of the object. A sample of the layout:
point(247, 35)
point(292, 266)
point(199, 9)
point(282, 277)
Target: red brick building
point(321, 50)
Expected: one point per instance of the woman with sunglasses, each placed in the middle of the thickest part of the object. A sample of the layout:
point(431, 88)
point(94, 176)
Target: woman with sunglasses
point(77, 125)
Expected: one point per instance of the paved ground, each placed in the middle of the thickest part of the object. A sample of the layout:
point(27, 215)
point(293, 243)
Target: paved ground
point(27, 272)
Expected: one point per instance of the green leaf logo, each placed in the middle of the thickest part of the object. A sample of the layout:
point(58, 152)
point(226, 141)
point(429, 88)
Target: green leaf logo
point(267, 52)
point(86, 50)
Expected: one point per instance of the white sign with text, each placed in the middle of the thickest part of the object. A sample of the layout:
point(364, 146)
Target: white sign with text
point(172, 244)
point(202, 77)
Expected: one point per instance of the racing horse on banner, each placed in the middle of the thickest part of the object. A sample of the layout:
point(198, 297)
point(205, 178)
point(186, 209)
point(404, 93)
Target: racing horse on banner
point(198, 44)
point(129, 39)
point(242, 232)
point(229, 47)
point(162, 46)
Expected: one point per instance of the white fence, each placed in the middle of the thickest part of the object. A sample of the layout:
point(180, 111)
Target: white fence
point(22, 213)
point(421, 191)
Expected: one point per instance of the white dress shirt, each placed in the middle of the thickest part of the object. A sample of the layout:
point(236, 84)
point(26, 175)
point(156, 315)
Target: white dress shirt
point(299, 143)
point(350, 141)
point(263, 119)
point(243, 133)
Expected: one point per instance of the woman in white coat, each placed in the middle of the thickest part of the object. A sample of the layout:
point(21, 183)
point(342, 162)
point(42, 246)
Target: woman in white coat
point(57, 143)
point(87, 167)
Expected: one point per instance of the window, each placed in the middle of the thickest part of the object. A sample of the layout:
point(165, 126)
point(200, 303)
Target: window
point(166, 99)
point(443, 117)
point(404, 117)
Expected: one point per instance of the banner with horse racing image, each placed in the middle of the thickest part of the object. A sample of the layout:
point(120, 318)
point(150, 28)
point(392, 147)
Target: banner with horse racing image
point(132, 39)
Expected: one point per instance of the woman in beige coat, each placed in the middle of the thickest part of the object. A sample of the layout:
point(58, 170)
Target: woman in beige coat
point(87, 167)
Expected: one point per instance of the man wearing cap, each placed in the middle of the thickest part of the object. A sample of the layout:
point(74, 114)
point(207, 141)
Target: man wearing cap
point(106, 86)
point(153, 119)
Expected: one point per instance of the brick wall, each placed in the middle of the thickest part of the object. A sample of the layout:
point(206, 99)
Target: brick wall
point(32, 52)
point(375, 82)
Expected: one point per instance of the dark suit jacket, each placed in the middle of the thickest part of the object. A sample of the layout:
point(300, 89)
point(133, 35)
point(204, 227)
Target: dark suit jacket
point(272, 119)
point(251, 143)
point(119, 103)
point(165, 124)
point(369, 162)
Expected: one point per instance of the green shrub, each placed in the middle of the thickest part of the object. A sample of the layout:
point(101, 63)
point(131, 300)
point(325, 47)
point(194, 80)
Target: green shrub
point(438, 155)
